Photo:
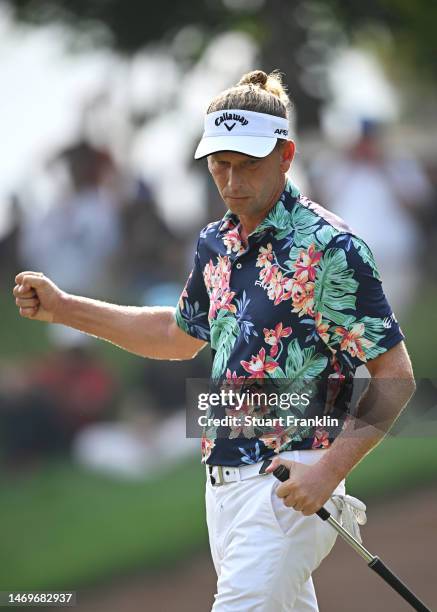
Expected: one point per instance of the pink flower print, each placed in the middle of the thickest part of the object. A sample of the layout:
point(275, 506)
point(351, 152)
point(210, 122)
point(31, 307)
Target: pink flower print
point(277, 438)
point(265, 256)
point(321, 439)
point(206, 446)
point(276, 289)
point(266, 275)
point(302, 295)
point(228, 224)
point(217, 279)
point(321, 328)
point(273, 337)
point(221, 300)
point(232, 380)
point(353, 341)
point(232, 242)
point(217, 276)
point(239, 425)
point(306, 263)
point(257, 366)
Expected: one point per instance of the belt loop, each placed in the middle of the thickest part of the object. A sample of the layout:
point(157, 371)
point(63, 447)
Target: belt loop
point(220, 475)
point(218, 479)
point(210, 476)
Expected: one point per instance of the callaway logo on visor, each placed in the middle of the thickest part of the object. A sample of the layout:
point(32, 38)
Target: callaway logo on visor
point(225, 118)
point(246, 132)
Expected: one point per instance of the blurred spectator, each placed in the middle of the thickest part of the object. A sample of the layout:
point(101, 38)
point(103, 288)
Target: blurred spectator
point(79, 384)
point(74, 241)
point(164, 382)
point(151, 254)
point(380, 196)
point(9, 245)
point(44, 405)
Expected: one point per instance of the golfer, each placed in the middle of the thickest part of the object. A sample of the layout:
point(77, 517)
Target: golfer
point(282, 290)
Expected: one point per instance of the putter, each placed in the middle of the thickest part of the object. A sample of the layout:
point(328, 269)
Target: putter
point(282, 473)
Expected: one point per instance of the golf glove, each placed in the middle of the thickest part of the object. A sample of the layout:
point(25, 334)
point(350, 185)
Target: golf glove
point(352, 514)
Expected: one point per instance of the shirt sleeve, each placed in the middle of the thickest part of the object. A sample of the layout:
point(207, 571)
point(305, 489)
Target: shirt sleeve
point(193, 306)
point(350, 304)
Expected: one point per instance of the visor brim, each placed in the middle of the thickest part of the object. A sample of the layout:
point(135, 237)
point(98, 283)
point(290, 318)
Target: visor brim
point(255, 146)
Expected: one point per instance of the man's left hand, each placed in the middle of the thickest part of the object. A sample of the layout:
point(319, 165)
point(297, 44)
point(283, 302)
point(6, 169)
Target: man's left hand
point(308, 487)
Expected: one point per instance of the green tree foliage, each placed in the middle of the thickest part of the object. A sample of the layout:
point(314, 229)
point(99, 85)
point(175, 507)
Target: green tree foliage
point(411, 23)
point(297, 36)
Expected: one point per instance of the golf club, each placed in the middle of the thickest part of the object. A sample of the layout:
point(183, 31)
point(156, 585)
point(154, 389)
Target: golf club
point(282, 473)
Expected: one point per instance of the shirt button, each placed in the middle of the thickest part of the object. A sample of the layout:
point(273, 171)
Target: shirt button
point(239, 266)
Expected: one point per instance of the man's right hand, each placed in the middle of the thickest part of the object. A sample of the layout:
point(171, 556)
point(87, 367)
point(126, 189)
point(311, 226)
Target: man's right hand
point(37, 297)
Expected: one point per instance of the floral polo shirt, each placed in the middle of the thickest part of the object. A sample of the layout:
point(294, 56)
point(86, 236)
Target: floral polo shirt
point(303, 301)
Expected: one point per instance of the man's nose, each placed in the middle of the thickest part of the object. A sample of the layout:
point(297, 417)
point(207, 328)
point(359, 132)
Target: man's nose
point(234, 180)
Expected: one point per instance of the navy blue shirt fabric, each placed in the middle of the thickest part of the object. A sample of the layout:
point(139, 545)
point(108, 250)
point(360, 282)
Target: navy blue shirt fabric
point(303, 302)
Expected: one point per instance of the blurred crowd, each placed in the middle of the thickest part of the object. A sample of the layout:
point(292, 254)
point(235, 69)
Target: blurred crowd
point(105, 237)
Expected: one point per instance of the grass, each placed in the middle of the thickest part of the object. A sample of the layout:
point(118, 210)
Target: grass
point(65, 527)
point(397, 464)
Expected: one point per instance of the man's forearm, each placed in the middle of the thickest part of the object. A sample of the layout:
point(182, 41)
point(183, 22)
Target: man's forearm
point(140, 330)
point(387, 399)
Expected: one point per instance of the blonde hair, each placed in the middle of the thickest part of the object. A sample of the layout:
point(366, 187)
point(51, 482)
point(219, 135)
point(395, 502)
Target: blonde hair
point(256, 91)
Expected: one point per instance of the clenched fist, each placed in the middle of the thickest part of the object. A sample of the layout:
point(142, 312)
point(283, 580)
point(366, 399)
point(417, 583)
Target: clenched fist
point(38, 297)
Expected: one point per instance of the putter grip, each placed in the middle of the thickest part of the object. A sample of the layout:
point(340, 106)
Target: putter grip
point(386, 574)
point(282, 473)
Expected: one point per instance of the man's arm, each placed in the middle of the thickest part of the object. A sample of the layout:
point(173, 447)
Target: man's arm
point(149, 332)
point(391, 387)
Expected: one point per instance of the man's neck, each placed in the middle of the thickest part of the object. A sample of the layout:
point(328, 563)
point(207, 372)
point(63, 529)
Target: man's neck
point(249, 223)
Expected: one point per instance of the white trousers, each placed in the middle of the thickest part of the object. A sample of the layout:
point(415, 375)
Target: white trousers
point(264, 552)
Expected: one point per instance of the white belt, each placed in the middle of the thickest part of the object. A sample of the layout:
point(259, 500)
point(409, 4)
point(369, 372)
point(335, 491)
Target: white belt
point(222, 474)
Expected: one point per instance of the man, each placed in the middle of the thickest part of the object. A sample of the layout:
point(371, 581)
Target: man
point(283, 290)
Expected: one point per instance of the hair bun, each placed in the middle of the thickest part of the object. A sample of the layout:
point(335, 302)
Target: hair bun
point(256, 77)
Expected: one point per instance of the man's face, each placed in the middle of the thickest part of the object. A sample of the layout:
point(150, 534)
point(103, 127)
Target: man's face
point(248, 184)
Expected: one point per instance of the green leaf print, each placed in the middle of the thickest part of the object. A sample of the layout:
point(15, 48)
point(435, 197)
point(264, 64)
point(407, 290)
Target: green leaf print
point(366, 255)
point(324, 236)
point(293, 255)
point(320, 239)
point(374, 331)
point(181, 321)
point(304, 222)
point(224, 332)
point(335, 287)
point(292, 188)
point(280, 219)
point(277, 372)
point(302, 365)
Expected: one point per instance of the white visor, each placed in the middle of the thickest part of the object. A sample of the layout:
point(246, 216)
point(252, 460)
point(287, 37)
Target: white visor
point(242, 131)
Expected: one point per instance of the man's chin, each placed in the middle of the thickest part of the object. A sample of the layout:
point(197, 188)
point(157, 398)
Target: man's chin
point(238, 205)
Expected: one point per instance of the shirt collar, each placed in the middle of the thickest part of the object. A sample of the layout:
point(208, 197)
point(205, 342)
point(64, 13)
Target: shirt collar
point(287, 200)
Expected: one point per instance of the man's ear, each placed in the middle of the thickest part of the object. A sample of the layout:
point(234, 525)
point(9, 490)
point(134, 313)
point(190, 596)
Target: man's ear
point(287, 154)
